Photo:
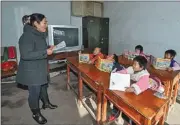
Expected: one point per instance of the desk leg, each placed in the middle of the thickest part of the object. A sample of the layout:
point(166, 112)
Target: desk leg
point(147, 122)
point(167, 92)
point(171, 92)
point(162, 120)
point(175, 92)
point(104, 109)
point(168, 84)
point(80, 89)
point(99, 102)
point(48, 67)
point(68, 77)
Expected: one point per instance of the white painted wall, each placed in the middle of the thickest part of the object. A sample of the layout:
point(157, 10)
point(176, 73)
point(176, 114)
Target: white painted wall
point(77, 21)
point(155, 25)
point(57, 13)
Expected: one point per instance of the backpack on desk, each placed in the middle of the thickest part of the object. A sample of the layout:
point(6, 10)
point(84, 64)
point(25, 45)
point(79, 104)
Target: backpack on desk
point(155, 84)
point(117, 67)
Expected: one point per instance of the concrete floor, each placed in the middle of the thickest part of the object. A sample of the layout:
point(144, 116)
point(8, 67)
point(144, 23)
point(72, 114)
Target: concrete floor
point(15, 110)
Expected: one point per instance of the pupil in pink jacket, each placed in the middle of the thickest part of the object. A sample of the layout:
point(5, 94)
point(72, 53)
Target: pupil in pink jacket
point(139, 75)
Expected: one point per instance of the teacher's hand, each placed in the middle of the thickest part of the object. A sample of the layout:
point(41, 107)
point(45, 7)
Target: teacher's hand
point(49, 51)
point(51, 47)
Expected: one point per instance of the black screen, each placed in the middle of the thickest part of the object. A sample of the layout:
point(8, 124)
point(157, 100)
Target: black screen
point(69, 35)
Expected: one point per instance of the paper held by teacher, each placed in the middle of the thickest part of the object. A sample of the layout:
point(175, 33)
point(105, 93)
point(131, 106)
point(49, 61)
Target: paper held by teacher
point(59, 46)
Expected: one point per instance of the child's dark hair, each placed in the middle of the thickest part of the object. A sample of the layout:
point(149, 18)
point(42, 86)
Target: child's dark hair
point(171, 52)
point(141, 60)
point(115, 58)
point(38, 17)
point(25, 19)
point(99, 48)
point(139, 47)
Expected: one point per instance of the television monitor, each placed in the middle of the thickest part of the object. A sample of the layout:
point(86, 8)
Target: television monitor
point(69, 34)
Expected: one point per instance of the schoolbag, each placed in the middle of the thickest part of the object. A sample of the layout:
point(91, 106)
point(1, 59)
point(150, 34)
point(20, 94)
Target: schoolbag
point(155, 84)
point(117, 67)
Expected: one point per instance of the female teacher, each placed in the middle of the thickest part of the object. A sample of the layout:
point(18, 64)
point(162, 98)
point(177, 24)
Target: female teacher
point(32, 70)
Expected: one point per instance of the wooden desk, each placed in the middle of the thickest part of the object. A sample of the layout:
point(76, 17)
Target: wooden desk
point(65, 55)
point(91, 76)
point(144, 109)
point(169, 79)
point(99, 82)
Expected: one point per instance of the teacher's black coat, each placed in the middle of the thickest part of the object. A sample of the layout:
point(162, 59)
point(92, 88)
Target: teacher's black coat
point(33, 65)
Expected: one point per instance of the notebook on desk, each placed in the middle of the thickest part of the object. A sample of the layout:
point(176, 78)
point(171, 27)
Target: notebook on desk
point(119, 81)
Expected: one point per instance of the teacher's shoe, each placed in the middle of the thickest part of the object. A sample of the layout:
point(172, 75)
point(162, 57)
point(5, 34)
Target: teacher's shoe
point(38, 117)
point(49, 105)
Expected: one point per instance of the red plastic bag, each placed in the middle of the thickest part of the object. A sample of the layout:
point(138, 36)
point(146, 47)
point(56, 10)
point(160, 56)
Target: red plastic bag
point(9, 65)
point(155, 84)
point(11, 52)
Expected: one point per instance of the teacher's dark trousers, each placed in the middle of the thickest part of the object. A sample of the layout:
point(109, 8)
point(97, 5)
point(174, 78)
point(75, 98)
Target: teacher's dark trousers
point(36, 93)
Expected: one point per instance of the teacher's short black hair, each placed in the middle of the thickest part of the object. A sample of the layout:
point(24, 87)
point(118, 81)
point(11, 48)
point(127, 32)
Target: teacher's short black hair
point(25, 18)
point(38, 17)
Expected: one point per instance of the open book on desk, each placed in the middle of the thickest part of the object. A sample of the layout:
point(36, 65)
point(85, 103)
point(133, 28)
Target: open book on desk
point(60, 46)
point(119, 81)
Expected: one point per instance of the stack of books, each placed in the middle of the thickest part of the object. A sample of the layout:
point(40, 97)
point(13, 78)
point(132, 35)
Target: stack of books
point(84, 58)
point(160, 63)
point(104, 65)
